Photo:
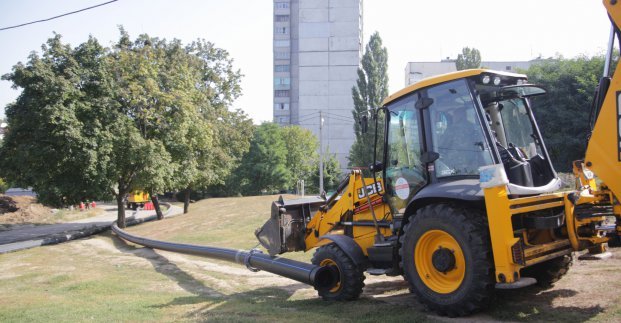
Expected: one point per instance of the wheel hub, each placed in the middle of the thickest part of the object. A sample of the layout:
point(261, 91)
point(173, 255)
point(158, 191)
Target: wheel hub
point(443, 260)
point(440, 261)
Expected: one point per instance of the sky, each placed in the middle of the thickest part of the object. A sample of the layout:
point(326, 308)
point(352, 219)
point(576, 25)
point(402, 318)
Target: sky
point(412, 30)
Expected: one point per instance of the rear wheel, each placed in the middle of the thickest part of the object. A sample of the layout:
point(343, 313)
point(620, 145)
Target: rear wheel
point(446, 258)
point(549, 272)
point(351, 276)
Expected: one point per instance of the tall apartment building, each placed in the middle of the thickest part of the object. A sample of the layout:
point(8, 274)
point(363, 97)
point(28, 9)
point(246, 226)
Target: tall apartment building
point(317, 51)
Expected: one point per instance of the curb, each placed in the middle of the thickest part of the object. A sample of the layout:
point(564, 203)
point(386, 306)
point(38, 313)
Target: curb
point(74, 235)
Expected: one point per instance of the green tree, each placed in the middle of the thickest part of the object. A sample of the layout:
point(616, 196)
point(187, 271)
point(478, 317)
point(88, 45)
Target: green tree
point(153, 104)
point(331, 175)
point(277, 159)
point(214, 139)
point(179, 97)
point(469, 58)
point(563, 114)
point(56, 143)
point(264, 167)
point(92, 121)
point(3, 184)
point(302, 157)
point(371, 88)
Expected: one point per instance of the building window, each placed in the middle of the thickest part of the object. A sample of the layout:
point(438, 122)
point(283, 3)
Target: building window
point(281, 106)
point(508, 67)
point(281, 68)
point(281, 18)
point(281, 30)
point(281, 55)
point(281, 93)
point(282, 81)
point(282, 43)
point(281, 5)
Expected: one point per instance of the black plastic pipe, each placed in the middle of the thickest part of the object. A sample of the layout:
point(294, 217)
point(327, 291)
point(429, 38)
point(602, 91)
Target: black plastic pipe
point(322, 278)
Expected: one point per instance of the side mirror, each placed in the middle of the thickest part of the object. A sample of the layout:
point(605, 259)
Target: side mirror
point(364, 123)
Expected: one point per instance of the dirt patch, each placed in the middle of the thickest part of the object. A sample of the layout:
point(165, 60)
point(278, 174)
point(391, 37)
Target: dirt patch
point(22, 209)
point(7, 204)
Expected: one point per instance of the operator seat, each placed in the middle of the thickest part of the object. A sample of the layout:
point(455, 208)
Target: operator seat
point(461, 145)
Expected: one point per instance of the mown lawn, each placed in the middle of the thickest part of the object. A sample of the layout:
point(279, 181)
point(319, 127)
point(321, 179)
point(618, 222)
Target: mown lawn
point(106, 279)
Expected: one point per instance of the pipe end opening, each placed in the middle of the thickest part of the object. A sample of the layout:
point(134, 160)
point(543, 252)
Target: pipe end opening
point(326, 278)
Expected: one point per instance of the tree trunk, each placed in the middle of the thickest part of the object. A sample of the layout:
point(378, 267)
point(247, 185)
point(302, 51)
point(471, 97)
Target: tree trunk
point(186, 200)
point(121, 210)
point(156, 205)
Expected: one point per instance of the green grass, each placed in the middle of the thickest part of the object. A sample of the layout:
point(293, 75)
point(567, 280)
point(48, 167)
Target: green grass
point(106, 279)
point(92, 292)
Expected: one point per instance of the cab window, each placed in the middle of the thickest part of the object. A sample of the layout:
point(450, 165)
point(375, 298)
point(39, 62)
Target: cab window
point(405, 173)
point(456, 131)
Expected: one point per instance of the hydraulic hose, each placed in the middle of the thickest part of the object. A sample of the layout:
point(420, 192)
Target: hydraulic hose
point(322, 278)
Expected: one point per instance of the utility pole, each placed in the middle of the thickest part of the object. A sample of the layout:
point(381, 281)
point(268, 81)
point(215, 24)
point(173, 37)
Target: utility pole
point(320, 153)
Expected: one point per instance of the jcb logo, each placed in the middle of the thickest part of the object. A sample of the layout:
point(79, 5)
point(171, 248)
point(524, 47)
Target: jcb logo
point(371, 189)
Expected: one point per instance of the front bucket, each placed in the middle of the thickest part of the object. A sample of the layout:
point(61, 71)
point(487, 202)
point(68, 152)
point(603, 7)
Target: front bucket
point(286, 228)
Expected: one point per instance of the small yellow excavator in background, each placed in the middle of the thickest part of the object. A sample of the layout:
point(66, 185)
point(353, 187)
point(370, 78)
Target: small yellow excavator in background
point(464, 199)
point(137, 199)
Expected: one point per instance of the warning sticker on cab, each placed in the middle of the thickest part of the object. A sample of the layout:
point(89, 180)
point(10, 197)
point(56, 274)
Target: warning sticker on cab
point(402, 188)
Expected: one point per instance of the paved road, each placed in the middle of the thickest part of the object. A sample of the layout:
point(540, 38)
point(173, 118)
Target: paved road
point(24, 237)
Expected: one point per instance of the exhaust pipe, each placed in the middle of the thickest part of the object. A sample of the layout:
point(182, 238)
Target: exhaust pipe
point(321, 278)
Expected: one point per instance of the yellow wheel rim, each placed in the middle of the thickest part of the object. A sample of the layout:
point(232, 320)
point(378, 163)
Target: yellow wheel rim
point(438, 281)
point(330, 262)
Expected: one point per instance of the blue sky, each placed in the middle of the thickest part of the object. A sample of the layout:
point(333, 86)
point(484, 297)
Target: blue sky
point(411, 30)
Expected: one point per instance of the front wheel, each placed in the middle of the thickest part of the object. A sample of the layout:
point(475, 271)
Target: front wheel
point(351, 277)
point(446, 258)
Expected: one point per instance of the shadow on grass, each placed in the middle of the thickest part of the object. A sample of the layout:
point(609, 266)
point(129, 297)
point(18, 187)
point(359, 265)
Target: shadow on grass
point(163, 266)
point(537, 304)
point(269, 304)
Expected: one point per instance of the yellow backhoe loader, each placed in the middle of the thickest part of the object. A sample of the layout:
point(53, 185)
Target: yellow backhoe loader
point(463, 199)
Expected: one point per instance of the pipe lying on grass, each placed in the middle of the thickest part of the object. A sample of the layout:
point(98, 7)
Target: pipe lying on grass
point(322, 278)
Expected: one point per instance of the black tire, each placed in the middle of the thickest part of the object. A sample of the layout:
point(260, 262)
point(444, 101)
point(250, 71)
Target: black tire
point(549, 272)
point(468, 228)
point(615, 241)
point(351, 276)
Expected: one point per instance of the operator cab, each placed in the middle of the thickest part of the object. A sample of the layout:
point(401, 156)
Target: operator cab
point(441, 130)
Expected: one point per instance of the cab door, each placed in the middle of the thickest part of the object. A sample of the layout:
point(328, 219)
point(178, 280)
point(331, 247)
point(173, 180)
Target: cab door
point(405, 173)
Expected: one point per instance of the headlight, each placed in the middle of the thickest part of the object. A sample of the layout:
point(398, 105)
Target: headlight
point(497, 80)
point(485, 79)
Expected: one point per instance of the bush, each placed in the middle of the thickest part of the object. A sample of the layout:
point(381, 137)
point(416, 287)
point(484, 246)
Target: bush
point(3, 186)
